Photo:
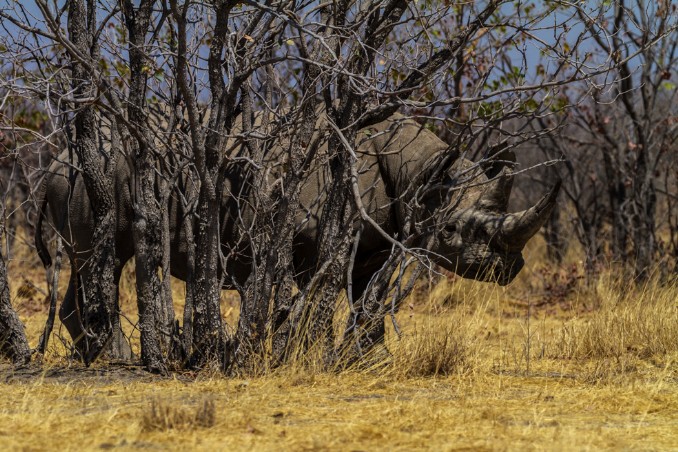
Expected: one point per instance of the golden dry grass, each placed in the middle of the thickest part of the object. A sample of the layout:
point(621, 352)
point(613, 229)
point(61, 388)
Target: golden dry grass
point(477, 367)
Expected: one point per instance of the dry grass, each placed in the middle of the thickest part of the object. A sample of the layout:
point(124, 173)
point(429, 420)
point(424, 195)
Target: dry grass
point(642, 322)
point(477, 367)
point(346, 412)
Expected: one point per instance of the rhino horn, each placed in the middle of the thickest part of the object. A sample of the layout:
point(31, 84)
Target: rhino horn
point(517, 228)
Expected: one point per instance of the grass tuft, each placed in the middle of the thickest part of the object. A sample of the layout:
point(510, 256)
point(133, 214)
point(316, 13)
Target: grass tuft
point(436, 350)
point(163, 415)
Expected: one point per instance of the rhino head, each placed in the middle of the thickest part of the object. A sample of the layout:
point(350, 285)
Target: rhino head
point(475, 236)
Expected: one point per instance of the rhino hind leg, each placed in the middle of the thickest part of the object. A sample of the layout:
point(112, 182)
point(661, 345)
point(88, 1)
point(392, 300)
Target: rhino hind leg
point(117, 347)
point(69, 315)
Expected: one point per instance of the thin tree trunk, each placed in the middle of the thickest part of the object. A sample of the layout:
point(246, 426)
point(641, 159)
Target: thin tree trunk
point(209, 337)
point(556, 243)
point(54, 293)
point(645, 245)
point(155, 320)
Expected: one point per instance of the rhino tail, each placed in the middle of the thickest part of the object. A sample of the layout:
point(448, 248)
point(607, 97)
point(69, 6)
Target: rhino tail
point(42, 212)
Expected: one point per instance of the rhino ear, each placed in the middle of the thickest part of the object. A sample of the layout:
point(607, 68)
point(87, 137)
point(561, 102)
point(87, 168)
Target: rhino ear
point(496, 196)
point(497, 158)
point(435, 195)
point(498, 167)
point(437, 177)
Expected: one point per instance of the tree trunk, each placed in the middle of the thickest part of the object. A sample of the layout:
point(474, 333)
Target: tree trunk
point(13, 342)
point(208, 331)
point(335, 245)
point(98, 275)
point(149, 271)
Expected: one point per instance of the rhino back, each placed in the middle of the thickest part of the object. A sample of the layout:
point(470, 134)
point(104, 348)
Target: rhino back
point(76, 223)
point(405, 150)
point(375, 198)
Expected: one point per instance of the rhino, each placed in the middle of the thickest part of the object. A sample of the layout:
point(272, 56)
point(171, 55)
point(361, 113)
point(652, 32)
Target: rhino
point(479, 239)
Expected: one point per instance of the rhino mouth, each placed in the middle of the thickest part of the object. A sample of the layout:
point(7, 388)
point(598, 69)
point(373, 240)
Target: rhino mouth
point(501, 271)
point(505, 275)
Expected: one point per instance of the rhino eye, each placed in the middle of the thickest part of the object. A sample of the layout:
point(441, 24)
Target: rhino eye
point(451, 228)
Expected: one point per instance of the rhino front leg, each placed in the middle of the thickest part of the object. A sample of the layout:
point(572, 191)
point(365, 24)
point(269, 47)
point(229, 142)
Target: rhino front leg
point(365, 331)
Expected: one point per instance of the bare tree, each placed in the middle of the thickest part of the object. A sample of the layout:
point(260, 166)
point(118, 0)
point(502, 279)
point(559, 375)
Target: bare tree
point(621, 136)
point(150, 194)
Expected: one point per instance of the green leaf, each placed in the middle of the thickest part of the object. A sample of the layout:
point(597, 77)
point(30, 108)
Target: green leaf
point(668, 86)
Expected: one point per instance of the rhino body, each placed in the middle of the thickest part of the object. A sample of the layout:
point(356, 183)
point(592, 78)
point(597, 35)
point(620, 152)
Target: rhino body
point(479, 239)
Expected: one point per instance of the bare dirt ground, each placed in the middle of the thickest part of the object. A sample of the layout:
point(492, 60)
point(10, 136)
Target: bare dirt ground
point(547, 363)
point(36, 373)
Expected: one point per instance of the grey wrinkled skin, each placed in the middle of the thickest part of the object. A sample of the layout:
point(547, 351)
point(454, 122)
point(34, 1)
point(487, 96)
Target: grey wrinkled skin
point(477, 238)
